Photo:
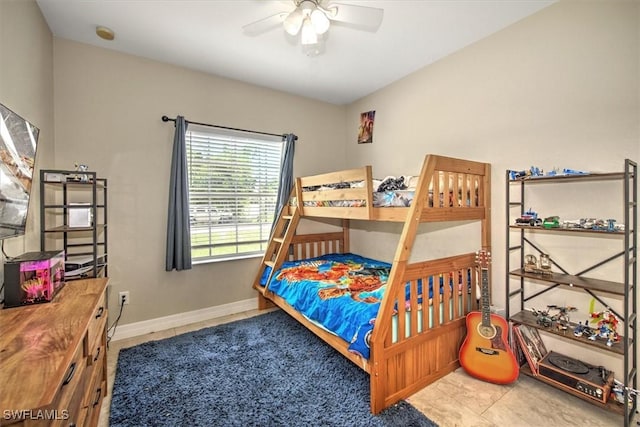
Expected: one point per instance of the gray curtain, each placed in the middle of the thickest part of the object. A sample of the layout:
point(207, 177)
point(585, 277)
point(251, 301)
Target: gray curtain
point(286, 175)
point(178, 229)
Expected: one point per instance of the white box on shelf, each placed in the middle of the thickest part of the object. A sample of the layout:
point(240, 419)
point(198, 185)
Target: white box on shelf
point(80, 216)
point(54, 177)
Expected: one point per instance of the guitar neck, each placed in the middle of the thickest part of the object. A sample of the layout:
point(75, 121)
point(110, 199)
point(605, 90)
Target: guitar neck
point(484, 297)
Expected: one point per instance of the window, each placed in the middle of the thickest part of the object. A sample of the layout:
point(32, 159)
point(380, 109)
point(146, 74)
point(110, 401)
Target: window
point(233, 187)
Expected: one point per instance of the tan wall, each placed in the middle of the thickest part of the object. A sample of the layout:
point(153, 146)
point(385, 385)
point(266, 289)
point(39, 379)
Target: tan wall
point(26, 87)
point(558, 89)
point(108, 108)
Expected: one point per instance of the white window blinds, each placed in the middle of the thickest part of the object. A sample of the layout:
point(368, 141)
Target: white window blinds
point(233, 186)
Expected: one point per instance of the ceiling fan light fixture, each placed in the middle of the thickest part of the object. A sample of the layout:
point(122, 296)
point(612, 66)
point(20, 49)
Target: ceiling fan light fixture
point(293, 22)
point(309, 35)
point(320, 21)
point(331, 12)
point(311, 20)
point(312, 50)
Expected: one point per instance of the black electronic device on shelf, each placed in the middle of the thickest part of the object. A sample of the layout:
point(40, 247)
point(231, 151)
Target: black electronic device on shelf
point(583, 379)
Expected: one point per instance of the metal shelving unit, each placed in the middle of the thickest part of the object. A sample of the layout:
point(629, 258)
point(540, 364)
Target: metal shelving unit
point(62, 194)
point(627, 289)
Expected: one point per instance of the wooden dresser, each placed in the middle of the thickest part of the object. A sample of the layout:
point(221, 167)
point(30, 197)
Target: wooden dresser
point(53, 358)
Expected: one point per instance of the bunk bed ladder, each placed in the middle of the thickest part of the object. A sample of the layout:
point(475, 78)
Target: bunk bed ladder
point(278, 248)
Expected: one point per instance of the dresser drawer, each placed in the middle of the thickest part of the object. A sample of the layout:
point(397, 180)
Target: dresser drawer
point(95, 392)
point(97, 326)
point(69, 398)
point(96, 353)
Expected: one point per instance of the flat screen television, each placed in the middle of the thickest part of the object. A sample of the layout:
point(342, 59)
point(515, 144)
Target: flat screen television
point(18, 143)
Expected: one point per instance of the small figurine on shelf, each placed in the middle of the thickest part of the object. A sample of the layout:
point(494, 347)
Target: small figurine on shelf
point(563, 314)
point(578, 330)
point(516, 174)
point(545, 263)
point(82, 168)
point(532, 172)
point(588, 332)
point(543, 317)
point(566, 171)
point(532, 265)
point(571, 223)
point(599, 225)
point(617, 392)
point(536, 171)
point(606, 324)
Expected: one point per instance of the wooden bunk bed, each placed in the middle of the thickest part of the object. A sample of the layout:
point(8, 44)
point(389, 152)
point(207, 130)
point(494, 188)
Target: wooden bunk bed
point(399, 365)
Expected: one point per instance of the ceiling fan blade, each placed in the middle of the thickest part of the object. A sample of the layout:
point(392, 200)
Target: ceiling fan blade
point(263, 25)
point(363, 17)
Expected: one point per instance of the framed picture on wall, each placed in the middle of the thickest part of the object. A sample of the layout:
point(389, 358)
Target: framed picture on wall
point(365, 130)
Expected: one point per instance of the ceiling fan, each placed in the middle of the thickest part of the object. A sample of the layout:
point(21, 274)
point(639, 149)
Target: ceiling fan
point(312, 19)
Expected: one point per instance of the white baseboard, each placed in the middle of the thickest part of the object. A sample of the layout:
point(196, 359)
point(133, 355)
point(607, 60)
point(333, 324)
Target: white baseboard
point(175, 320)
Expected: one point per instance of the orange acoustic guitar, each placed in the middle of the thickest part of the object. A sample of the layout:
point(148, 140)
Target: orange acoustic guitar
point(485, 353)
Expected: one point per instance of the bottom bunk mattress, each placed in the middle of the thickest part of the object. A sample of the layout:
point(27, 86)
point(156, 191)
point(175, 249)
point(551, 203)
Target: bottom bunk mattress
point(342, 294)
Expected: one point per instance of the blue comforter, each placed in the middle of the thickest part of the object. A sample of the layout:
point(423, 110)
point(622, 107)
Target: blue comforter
point(341, 292)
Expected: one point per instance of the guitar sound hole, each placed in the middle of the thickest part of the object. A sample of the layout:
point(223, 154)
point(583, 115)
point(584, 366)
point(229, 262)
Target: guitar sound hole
point(487, 332)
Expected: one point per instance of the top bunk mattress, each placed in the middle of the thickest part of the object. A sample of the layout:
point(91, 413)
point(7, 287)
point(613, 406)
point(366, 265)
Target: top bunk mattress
point(388, 192)
point(447, 189)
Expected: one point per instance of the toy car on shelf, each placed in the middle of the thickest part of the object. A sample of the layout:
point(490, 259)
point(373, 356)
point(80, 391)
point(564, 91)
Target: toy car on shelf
point(572, 223)
point(529, 218)
point(543, 318)
point(551, 222)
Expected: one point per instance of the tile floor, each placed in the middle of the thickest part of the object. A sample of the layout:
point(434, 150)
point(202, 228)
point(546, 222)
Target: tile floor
point(456, 400)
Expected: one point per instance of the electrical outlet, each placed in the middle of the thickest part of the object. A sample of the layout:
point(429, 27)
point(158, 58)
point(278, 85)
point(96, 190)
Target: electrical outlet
point(124, 297)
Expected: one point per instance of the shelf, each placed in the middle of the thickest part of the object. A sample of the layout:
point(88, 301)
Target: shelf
point(615, 288)
point(61, 196)
point(567, 230)
point(70, 206)
point(100, 182)
point(626, 347)
point(66, 229)
point(528, 318)
point(611, 404)
point(90, 182)
point(569, 178)
point(89, 274)
point(83, 245)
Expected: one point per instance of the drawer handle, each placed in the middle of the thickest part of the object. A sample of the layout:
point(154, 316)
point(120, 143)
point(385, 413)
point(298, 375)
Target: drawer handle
point(100, 311)
point(95, 359)
point(98, 394)
point(72, 370)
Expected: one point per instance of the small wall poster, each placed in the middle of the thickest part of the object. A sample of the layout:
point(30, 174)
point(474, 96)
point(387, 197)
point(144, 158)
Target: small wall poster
point(365, 131)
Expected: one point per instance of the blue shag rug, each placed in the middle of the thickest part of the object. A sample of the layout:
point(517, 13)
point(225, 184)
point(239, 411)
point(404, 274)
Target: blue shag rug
point(263, 371)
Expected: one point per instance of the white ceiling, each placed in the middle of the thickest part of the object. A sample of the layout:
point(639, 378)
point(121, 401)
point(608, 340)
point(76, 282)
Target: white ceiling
point(206, 35)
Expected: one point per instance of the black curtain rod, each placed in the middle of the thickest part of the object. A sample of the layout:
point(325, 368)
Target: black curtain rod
point(167, 119)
